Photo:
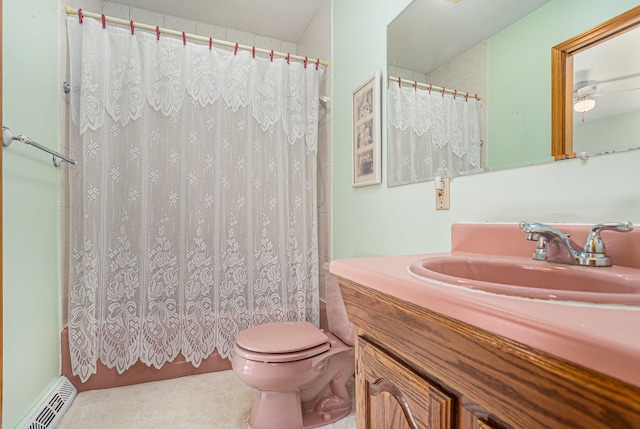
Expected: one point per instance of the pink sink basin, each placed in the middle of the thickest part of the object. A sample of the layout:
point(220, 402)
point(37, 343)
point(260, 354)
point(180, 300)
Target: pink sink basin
point(524, 277)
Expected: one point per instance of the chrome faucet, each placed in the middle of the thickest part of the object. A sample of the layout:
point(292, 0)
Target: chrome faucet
point(555, 246)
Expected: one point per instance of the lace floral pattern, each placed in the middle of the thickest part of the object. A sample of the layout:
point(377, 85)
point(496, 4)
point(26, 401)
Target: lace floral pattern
point(193, 203)
point(91, 105)
point(199, 318)
point(121, 324)
point(165, 88)
point(266, 100)
point(124, 83)
point(83, 321)
point(428, 132)
point(235, 88)
point(205, 77)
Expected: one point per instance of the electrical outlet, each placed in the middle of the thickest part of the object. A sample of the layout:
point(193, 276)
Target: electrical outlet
point(442, 196)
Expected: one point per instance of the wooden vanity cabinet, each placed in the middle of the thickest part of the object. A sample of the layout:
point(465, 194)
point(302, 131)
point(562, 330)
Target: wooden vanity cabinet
point(419, 369)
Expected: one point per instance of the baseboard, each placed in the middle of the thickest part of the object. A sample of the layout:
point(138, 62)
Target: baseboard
point(48, 412)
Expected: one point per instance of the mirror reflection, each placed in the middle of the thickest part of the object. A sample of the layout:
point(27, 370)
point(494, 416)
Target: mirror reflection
point(441, 44)
point(606, 96)
point(431, 133)
point(456, 44)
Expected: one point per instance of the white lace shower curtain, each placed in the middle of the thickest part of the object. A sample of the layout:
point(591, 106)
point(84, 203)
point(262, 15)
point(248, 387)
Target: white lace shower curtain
point(193, 208)
point(428, 132)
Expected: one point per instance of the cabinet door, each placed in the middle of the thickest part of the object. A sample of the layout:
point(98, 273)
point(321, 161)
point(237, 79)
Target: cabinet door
point(391, 395)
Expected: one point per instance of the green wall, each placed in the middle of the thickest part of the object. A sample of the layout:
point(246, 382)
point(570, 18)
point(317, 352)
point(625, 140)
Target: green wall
point(365, 218)
point(30, 206)
point(376, 220)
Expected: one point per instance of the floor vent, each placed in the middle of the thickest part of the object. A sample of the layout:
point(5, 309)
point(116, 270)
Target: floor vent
point(47, 414)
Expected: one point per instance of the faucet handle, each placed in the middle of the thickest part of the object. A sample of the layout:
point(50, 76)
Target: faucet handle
point(615, 226)
point(594, 248)
point(594, 242)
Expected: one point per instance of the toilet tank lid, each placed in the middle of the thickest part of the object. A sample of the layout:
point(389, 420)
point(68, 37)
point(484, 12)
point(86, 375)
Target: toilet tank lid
point(281, 337)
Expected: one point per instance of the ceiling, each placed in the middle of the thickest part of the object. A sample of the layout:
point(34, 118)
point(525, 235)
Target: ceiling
point(428, 33)
point(279, 19)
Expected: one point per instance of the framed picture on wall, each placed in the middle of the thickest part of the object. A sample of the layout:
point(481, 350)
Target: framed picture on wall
point(365, 123)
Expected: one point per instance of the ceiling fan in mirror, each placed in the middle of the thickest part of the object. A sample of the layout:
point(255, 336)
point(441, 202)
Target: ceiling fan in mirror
point(582, 93)
point(585, 93)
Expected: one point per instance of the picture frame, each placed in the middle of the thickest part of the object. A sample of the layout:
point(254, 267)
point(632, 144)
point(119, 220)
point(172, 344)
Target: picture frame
point(365, 123)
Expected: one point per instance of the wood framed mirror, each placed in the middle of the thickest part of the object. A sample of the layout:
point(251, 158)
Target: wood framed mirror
point(562, 80)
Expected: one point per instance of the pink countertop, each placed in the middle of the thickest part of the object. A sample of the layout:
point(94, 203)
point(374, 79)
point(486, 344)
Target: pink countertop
point(605, 338)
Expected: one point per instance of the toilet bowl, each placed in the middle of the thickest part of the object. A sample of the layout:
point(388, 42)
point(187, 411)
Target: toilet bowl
point(299, 372)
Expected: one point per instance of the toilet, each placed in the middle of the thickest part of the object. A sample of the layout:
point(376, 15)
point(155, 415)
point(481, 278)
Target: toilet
point(299, 372)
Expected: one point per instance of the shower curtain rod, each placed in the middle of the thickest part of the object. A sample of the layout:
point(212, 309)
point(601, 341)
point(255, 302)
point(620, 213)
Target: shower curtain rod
point(73, 11)
point(430, 87)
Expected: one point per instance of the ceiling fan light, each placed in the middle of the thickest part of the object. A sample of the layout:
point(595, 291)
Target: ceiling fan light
point(584, 105)
point(584, 88)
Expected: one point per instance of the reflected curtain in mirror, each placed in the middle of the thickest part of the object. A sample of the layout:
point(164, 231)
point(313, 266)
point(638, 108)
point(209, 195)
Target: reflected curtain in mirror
point(431, 134)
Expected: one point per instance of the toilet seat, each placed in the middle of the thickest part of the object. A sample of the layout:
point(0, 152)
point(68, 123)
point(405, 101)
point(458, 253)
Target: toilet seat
point(281, 342)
